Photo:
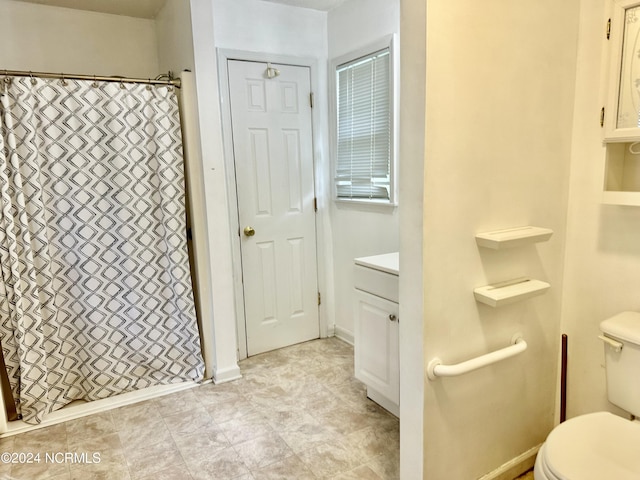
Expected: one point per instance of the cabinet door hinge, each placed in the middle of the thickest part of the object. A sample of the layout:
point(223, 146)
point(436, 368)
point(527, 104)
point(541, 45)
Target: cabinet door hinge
point(602, 117)
point(315, 204)
point(319, 299)
point(311, 99)
point(608, 29)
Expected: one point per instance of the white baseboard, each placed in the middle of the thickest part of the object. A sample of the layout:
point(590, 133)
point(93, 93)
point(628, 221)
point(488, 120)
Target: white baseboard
point(383, 401)
point(514, 467)
point(344, 335)
point(225, 375)
point(82, 409)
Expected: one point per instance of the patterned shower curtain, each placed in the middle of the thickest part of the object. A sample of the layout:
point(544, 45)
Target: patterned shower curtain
point(95, 288)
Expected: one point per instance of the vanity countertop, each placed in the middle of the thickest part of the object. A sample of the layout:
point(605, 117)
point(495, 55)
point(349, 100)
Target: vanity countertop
point(387, 262)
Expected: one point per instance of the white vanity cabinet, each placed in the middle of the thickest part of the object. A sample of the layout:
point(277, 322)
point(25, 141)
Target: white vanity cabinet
point(376, 326)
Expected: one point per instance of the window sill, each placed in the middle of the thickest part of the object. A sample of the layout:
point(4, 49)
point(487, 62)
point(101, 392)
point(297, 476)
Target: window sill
point(364, 204)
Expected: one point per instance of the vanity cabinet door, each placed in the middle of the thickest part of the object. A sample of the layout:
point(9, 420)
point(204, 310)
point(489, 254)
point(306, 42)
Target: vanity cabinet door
point(376, 344)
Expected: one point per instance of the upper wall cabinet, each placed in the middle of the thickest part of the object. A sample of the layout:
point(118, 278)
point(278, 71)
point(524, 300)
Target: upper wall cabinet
point(622, 113)
point(622, 119)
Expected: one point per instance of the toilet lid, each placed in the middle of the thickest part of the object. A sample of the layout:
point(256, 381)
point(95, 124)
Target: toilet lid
point(596, 446)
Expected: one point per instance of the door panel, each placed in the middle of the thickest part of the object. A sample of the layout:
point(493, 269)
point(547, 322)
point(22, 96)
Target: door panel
point(376, 344)
point(271, 124)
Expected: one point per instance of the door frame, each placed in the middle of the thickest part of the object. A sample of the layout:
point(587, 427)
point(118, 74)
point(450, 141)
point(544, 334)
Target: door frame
point(324, 267)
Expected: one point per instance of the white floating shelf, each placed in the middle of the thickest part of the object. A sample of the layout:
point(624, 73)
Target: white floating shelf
point(621, 198)
point(510, 292)
point(513, 237)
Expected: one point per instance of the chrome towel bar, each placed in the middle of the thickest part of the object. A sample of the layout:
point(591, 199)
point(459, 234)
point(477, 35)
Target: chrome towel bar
point(435, 368)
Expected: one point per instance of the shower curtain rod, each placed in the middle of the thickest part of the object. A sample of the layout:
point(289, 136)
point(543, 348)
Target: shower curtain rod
point(63, 76)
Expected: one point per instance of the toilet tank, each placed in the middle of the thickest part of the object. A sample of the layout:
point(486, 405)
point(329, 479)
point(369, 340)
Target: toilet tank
point(622, 367)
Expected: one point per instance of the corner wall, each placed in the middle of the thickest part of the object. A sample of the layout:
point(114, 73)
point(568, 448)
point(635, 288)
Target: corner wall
point(500, 91)
point(53, 39)
point(217, 297)
point(175, 37)
point(250, 30)
point(412, 152)
point(266, 27)
point(603, 241)
point(358, 231)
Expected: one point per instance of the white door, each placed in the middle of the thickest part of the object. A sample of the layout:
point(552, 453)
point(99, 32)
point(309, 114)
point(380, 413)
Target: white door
point(271, 126)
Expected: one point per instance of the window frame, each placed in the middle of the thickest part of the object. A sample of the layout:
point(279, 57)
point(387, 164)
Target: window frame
point(390, 43)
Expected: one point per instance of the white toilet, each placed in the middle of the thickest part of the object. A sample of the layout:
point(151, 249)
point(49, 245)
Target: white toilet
point(602, 446)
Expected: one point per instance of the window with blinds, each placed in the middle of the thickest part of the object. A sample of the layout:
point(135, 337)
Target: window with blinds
point(364, 128)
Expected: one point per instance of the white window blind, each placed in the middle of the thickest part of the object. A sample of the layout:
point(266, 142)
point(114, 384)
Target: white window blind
point(364, 128)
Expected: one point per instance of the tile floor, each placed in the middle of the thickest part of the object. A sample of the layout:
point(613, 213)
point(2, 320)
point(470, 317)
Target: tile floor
point(297, 413)
point(526, 476)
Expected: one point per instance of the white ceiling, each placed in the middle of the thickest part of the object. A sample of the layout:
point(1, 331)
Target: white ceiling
point(150, 8)
point(325, 5)
point(129, 8)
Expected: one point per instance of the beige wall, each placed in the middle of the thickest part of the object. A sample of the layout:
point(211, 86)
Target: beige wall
point(266, 27)
point(412, 148)
point(501, 133)
point(500, 90)
point(603, 241)
point(53, 39)
point(358, 230)
point(175, 37)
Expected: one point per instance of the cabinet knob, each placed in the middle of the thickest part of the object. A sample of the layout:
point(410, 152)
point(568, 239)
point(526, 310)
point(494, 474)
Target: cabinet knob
point(392, 317)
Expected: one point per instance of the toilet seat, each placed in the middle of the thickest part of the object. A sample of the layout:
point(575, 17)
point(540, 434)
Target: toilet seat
point(591, 447)
point(541, 471)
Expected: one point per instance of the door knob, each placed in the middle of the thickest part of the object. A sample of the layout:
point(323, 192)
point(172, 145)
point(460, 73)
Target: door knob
point(249, 231)
point(392, 317)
